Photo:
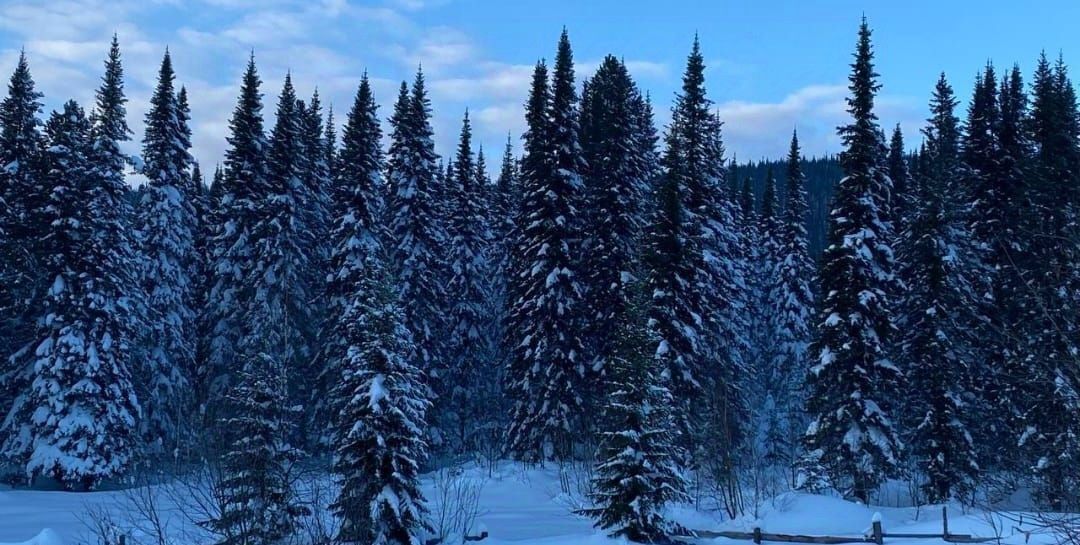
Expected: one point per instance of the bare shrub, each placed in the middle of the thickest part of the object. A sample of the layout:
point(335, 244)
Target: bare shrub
point(456, 505)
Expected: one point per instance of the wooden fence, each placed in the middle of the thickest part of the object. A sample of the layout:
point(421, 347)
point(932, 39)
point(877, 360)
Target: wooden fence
point(877, 535)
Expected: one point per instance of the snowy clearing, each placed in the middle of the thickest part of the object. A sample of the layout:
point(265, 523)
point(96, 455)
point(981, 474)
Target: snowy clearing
point(528, 507)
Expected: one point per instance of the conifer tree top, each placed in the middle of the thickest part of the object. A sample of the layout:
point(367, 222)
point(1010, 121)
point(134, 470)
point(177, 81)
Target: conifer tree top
point(111, 115)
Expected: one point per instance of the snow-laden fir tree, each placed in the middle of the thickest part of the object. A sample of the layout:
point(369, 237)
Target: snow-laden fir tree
point(1052, 404)
point(316, 177)
point(82, 404)
point(167, 226)
point(747, 206)
point(330, 143)
point(461, 403)
point(383, 398)
point(545, 373)
point(416, 225)
point(793, 307)
point(996, 152)
point(244, 184)
point(702, 349)
point(357, 232)
point(77, 418)
point(980, 152)
point(615, 183)
point(22, 226)
point(729, 412)
point(283, 250)
point(934, 340)
point(675, 263)
point(768, 379)
point(316, 202)
point(898, 174)
point(637, 471)
point(852, 383)
point(675, 311)
point(258, 503)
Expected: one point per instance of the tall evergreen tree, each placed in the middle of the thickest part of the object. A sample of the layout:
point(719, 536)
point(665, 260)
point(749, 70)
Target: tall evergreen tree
point(379, 428)
point(934, 340)
point(615, 183)
point(77, 418)
point(991, 204)
point(22, 198)
point(705, 366)
point(898, 173)
point(470, 344)
point(258, 505)
point(283, 254)
point(637, 471)
point(792, 298)
point(416, 225)
point(243, 186)
point(358, 232)
point(1052, 407)
point(545, 373)
point(851, 384)
point(168, 226)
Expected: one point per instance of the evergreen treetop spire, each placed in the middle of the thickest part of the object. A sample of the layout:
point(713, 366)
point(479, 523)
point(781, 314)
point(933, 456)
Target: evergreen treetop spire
point(110, 115)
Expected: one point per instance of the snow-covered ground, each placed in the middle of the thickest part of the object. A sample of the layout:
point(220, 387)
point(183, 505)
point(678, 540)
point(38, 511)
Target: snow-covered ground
point(530, 508)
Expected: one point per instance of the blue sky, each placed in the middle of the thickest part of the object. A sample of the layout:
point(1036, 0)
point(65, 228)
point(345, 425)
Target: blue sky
point(773, 65)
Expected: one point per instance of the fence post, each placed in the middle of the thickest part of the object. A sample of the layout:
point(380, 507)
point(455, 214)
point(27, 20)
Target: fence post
point(879, 536)
point(944, 523)
point(757, 535)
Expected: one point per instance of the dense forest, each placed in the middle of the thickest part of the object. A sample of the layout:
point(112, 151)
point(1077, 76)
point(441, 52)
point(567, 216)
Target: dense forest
point(621, 297)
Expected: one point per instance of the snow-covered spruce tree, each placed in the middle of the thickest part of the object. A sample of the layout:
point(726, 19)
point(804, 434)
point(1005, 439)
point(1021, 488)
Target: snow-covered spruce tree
point(933, 339)
point(707, 373)
point(22, 226)
point(167, 226)
point(853, 382)
point(79, 413)
point(980, 152)
point(243, 185)
point(379, 428)
point(282, 251)
point(768, 379)
point(637, 469)
point(544, 375)
point(258, 504)
point(316, 178)
point(316, 201)
point(470, 345)
point(615, 183)
point(1052, 405)
point(675, 264)
point(416, 226)
point(506, 196)
point(901, 178)
point(330, 155)
point(793, 307)
point(747, 206)
point(675, 312)
point(996, 153)
point(358, 231)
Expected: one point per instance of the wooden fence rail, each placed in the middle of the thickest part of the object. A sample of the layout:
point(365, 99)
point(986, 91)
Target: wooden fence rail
point(877, 535)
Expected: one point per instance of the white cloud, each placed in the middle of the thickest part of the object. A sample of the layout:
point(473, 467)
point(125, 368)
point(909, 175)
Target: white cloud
point(754, 130)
